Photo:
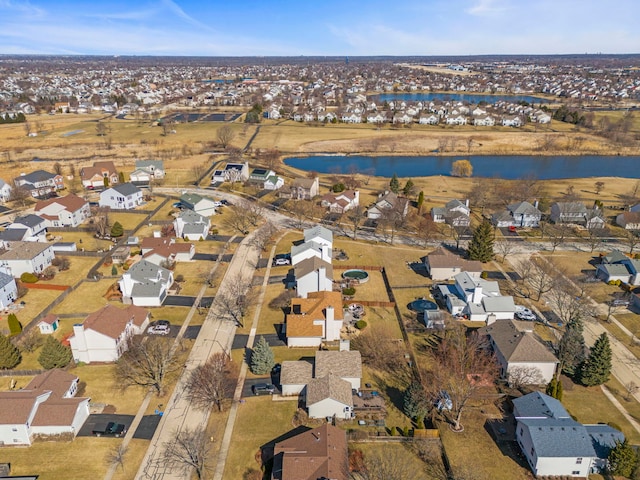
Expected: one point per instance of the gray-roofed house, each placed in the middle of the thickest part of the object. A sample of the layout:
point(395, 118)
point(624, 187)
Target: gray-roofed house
point(5, 191)
point(617, 266)
point(295, 375)
point(145, 284)
point(310, 249)
point(124, 196)
point(319, 234)
point(191, 225)
point(443, 265)
point(36, 227)
point(301, 189)
point(553, 443)
point(31, 257)
point(388, 201)
point(8, 290)
point(523, 359)
point(329, 396)
point(346, 364)
point(521, 214)
point(483, 299)
point(313, 275)
point(201, 205)
point(10, 235)
point(454, 213)
point(147, 170)
point(40, 183)
point(232, 172)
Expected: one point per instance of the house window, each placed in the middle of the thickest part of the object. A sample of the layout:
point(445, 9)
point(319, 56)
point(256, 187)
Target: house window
point(578, 460)
point(14, 429)
point(521, 431)
point(575, 472)
point(533, 451)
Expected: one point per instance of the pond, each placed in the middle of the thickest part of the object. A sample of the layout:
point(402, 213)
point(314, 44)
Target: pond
point(500, 166)
point(456, 97)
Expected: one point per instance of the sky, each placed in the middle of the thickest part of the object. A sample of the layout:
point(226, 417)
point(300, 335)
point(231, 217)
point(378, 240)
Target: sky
point(320, 27)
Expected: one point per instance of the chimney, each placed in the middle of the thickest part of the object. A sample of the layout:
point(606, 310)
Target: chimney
point(466, 203)
point(345, 345)
point(536, 203)
point(477, 295)
point(157, 234)
point(322, 274)
point(329, 314)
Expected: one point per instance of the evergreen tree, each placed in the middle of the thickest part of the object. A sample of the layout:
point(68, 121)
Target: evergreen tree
point(54, 354)
point(420, 201)
point(9, 354)
point(117, 230)
point(114, 270)
point(262, 360)
point(622, 459)
point(552, 388)
point(408, 188)
point(105, 182)
point(559, 391)
point(15, 327)
point(571, 349)
point(414, 402)
point(394, 184)
point(596, 370)
point(121, 177)
point(481, 246)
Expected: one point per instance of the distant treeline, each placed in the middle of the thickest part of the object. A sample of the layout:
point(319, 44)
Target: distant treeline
point(12, 118)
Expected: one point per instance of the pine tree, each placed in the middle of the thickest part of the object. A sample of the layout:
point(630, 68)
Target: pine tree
point(121, 177)
point(571, 349)
point(262, 359)
point(408, 188)
point(117, 230)
point(552, 388)
point(105, 182)
point(481, 246)
point(559, 391)
point(15, 327)
point(414, 402)
point(622, 459)
point(9, 354)
point(420, 201)
point(54, 354)
point(596, 370)
point(394, 184)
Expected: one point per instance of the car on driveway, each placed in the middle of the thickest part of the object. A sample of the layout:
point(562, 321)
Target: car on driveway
point(523, 313)
point(159, 327)
point(263, 389)
point(111, 429)
point(282, 261)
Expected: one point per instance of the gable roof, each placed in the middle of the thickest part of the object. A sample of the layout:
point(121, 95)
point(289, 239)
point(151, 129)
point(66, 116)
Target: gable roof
point(539, 405)
point(329, 387)
point(56, 380)
point(516, 345)
point(559, 437)
point(296, 372)
point(126, 189)
point(311, 455)
point(17, 405)
point(70, 203)
point(30, 220)
point(318, 231)
point(603, 438)
point(24, 250)
point(5, 279)
point(312, 308)
point(343, 364)
point(37, 176)
point(111, 320)
point(441, 258)
point(615, 256)
point(523, 208)
point(312, 264)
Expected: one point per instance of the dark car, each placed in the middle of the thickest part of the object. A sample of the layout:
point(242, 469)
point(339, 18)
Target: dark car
point(111, 429)
point(263, 389)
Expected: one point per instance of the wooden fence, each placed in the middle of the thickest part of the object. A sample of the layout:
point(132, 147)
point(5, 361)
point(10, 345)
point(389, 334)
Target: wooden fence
point(366, 268)
point(45, 286)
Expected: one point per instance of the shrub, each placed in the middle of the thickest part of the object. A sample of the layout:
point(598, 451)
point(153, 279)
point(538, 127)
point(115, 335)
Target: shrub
point(28, 277)
point(405, 431)
point(392, 431)
point(15, 327)
point(213, 231)
point(179, 278)
point(125, 267)
point(114, 270)
point(361, 324)
point(484, 275)
point(117, 230)
point(349, 291)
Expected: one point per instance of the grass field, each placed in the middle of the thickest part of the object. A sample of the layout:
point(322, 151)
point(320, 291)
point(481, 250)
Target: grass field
point(87, 298)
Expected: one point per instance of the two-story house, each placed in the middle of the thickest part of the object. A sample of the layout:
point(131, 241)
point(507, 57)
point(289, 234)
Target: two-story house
point(5, 191)
point(69, 211)
point(341, 202)
point(40, 183)
point(191, 226)
point(146, 171)
point(8, 289)
point(145, 284)
point(94, 177)
point(22, 257)
point(314, 319)
point(521, 214)
point(232, 172)
point(199, 204)
point(454, 213)
point(35, 227)
point(386, 202)
point(125, 196)
point(301, 189)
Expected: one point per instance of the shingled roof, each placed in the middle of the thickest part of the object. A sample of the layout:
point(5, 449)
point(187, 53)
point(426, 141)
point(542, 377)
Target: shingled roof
point(306, 310)
point(329, 387)
point(516, 345)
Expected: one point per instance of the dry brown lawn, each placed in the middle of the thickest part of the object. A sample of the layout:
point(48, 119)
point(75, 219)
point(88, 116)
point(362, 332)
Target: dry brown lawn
point(87, 298)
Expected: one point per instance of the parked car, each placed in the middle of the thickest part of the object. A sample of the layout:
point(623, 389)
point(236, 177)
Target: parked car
point(217, 204)
point(111, 429)
point(159, 327)
point(523, 313)
point(263, 389)
point(282, 261)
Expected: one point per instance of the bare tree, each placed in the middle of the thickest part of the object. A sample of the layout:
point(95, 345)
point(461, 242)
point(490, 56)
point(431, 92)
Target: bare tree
point(631, 389)
point(557, 235)
point(254, 211)
point(189, 450)
point(599, 186)
point(618, 302)
point(167, 127)
point(542, 276)
point(57, 168)
point(102, 129)
point(632, 239)
point(239, 218)
point(381, 350)
point(197, 171)
point(380, 465)
point(116, 455)
point(522, 376)
point(146, 363)
point(426, 229)
point(225, 135)
point(263, 237)
point(356, 215)
point(20, 194)
point(567, 304)
point(300, 210)
point(503, 248)
point(212, 384)
point(235, 299)
point(393, 219)
point(461, 365)
point(31, 340)
point(101, 223)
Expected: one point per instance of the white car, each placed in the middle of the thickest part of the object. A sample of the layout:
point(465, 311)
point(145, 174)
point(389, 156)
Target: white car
point(159, 330)
point(217, 204)
point(523, 313)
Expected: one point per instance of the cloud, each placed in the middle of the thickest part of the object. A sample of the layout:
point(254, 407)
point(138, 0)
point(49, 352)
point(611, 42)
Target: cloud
point(178, 11)
point(485, 8)
point(24, 8)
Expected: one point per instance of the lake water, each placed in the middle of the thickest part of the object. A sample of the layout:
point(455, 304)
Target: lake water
point(457, 97)
point(504, 166)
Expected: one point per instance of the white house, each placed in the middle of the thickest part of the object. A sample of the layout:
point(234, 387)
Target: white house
point(388, 201)
point(341, 202)
point(521, 214)
point(301, 189)
point(443, 265)
point(8, 290)
point(523, 359)
point(5, 191)
point(313, 275)
point(48, 324)
point(314, 319)
point(554, 444)
point(32, 257)
point(68, 211)
point(145, 284)
point(482, 298)
point(35, 226)
point(232, 172)
point(484, 121)
point(163, 250)
point(191, 225)
point(319, 234)
point(310, 249)
point(201, 205)
point(124, 196)
point(46, 406)
point(455, 213)
point(273, 182)
point(104, 335)
point(147, 170)
point(40, 183)
point(329, 396)
point(617, 266)
point(294, 376)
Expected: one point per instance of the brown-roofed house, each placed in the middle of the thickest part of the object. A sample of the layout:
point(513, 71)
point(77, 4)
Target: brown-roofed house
point(165, 250)
point(48, 324)
point(312, 455)
point(68, 211)
point(313, 275)
point(46, 406)
point(314, 319)
point(93, 177)
point(104, 335)
point(443, 265)
point(522, 357)
point(329, 396)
